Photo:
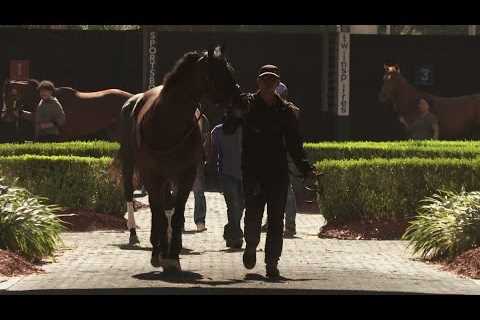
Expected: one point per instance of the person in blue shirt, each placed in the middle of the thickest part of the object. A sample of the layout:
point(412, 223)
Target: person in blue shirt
point(227, 150)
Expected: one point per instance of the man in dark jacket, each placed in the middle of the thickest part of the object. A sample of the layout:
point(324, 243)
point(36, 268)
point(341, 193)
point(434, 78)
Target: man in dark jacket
point(270, 131)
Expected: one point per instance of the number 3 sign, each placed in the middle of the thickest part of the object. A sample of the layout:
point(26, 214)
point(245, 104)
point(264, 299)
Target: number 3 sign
point(424, 75)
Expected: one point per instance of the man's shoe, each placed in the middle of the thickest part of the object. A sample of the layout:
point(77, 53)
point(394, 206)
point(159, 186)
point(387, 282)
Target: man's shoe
point(235, 244)
point(249, 257)
point(272, 272)
point(201, 227)
point(289, 233)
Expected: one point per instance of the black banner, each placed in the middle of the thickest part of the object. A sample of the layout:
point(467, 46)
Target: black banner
point(150, 58)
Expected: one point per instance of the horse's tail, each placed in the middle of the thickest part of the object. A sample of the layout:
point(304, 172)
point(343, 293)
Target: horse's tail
point(115, 170)
point(122, 168)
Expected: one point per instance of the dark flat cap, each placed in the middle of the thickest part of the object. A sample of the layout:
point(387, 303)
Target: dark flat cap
point(270, 70)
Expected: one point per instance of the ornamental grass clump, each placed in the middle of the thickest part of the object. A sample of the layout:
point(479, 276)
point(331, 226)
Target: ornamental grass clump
point(27, 225)
point(447, 225)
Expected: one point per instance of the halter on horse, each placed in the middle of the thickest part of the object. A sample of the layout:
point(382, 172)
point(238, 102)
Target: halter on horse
point(161, 139)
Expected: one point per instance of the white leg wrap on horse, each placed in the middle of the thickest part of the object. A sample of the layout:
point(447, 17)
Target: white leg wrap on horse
point(131, 217)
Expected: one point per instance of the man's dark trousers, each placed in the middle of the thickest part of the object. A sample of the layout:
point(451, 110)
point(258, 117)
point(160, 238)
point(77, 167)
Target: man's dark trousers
point(269, 189)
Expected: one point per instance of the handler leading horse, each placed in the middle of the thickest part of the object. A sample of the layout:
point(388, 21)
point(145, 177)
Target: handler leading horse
point(161, 139)
point(87, 113)
point(458, 117)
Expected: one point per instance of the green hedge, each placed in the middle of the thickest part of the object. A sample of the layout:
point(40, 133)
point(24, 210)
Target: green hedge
point(388, 189)
point(94, 149)
point(69, 181)
point(410, 149)
point(317, 151)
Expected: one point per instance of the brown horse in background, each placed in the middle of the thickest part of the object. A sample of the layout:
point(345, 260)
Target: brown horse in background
point(86, 113)
point(458, 117)
point(161, 139)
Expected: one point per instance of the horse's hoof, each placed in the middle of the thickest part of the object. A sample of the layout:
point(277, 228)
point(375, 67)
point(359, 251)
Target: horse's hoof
point(133, 240)
point(237, 244)
point(172, 266)
point(157, 261)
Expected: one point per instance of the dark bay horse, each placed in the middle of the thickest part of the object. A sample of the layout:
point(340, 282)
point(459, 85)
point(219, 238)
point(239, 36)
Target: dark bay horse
point(86, 113)
point(161, 139)
point(458, 117)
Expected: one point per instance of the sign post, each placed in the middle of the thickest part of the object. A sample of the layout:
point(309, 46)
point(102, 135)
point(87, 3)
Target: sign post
point(150, 57)
point(343, 85)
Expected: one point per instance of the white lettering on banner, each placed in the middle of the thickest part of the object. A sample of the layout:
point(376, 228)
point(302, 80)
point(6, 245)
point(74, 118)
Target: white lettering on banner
point(343, 96)
point(152, 56)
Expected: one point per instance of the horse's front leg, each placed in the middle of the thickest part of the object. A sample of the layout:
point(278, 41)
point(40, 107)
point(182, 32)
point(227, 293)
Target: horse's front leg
point(173, 204)
point(183, 189)
point(158, 232)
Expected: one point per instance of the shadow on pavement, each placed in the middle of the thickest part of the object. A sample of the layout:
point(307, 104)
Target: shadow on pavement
point(130, 247)
point(292, 237)
point(259, 277)
point(185, 251)
point(190, 252)
point(191, 232)
point(201, 291)
point(183, 277)
point(230, 250)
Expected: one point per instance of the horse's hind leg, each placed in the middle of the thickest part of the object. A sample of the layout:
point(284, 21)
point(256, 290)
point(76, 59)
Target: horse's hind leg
point(128, 165)
point(127, 173)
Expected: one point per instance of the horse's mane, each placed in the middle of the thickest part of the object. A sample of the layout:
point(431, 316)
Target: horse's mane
point(182, 68)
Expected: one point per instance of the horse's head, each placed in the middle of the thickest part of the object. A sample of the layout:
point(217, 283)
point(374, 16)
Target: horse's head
point(218, 75)
point(391, 81)
point(18, 94)
point(12, 91)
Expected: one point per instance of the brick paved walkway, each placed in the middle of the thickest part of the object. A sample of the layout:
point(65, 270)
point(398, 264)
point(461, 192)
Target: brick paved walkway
point(100, 262)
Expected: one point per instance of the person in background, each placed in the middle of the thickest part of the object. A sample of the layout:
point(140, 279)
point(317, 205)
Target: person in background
point(49, 116)
point(291, 205)
point(425, 126)
point(227, 151)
